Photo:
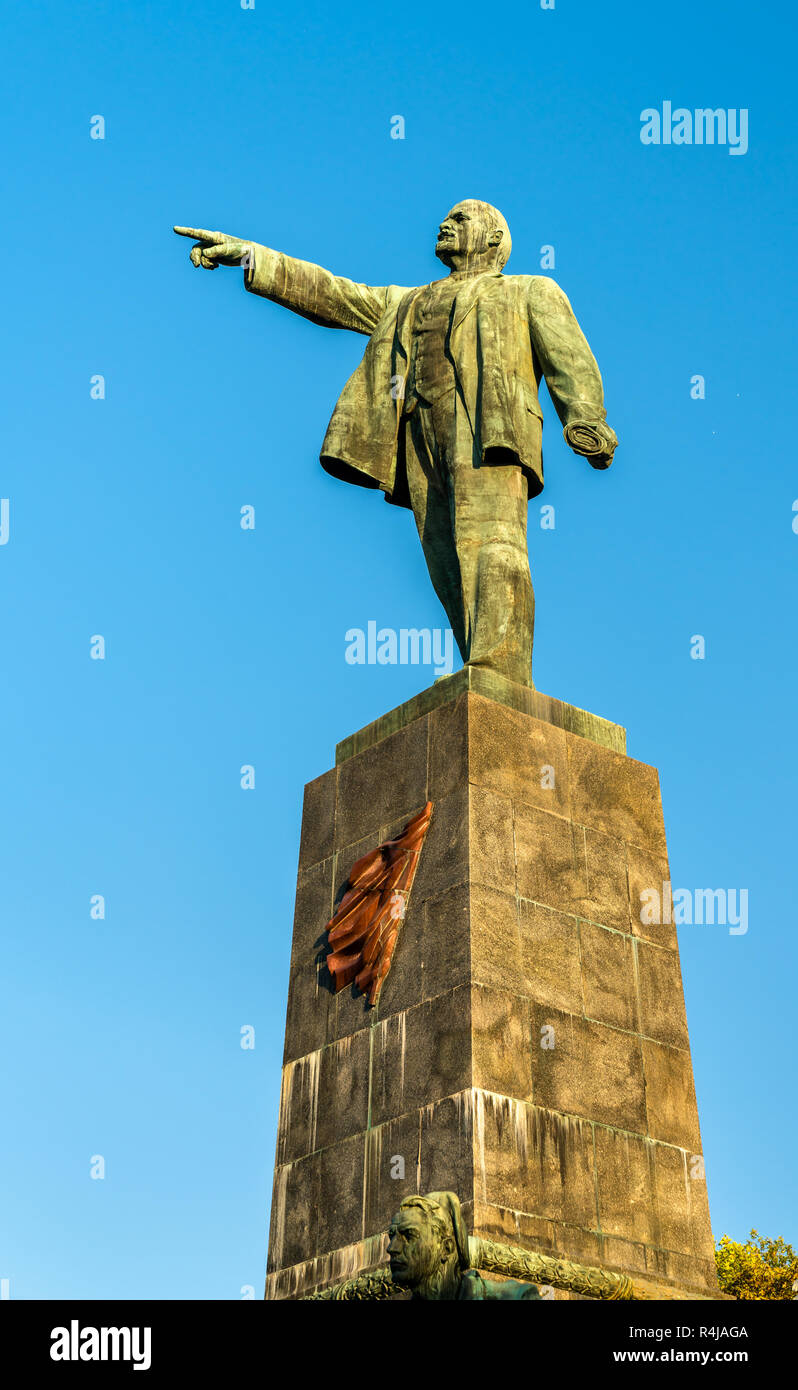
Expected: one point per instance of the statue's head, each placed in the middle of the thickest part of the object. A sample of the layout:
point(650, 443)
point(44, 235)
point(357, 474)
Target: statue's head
point(473, 236)
point(428, 1246)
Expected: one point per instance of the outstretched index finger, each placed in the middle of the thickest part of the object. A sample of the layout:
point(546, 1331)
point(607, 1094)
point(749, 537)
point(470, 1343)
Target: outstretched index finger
point(197, 234)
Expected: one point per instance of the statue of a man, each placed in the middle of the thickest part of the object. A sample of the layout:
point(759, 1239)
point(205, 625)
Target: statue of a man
point(428, 1253)
point(443, 412)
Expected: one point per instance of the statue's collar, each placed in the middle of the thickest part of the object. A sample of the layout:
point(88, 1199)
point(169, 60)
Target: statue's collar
point(459, 275)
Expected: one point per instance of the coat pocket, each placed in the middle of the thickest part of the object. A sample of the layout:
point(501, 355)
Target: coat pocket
point(527, 393)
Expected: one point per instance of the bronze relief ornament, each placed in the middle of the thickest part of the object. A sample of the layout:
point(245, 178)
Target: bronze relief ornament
point(363, 932)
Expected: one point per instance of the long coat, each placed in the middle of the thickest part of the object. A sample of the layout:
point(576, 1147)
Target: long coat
point(506, 331)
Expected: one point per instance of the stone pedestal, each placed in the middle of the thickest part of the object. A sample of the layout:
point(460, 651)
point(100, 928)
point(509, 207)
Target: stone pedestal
point(530, 1047)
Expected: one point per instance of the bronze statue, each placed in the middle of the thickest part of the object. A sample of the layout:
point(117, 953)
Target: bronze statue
point(443, 412)
point(429, 1254)
point(432, 1257)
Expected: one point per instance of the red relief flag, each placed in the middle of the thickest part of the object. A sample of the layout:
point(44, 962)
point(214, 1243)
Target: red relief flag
point(362, 935)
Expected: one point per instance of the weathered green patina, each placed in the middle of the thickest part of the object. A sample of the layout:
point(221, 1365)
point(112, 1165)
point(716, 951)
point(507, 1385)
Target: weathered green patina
point(432, 1257)
point(443, 413)
point(429, 1254)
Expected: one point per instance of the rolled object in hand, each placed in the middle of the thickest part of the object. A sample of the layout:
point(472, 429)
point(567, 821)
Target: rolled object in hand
point(597, 443)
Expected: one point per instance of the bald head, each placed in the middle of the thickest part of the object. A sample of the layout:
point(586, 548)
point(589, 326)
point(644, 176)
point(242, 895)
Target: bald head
point(474, 236)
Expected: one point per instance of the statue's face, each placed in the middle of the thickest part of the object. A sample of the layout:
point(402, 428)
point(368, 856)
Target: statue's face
point(464, 232)
point(414, 1250)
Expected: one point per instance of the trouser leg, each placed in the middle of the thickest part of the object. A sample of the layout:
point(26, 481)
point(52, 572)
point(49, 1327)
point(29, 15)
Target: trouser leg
point(432, 503)
point(472, 524)
point(490, 514)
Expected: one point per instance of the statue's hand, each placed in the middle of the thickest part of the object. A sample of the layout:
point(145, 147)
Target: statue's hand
point(596, 442)
point(215, 248)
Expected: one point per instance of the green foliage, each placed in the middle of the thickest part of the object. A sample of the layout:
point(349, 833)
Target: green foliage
point(759, 1269)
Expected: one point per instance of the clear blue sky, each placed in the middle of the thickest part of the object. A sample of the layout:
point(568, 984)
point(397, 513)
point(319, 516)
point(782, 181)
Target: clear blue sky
point(121, 1037)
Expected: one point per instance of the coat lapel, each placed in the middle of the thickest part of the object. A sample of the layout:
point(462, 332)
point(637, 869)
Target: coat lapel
point(467, 297)
point(466, 300)
point(404, 319)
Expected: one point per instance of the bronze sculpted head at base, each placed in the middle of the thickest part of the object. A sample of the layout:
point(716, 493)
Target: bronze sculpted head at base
point(428, 1252)
point(422, 1249)
point(431, 1254)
